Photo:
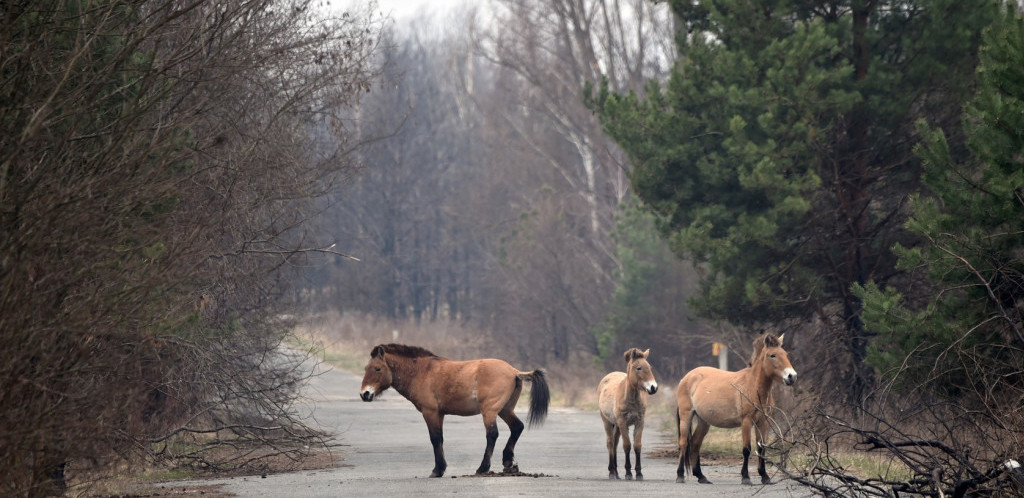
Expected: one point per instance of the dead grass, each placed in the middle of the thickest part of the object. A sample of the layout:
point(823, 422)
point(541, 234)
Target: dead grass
point(132, 481)
point(725, 447)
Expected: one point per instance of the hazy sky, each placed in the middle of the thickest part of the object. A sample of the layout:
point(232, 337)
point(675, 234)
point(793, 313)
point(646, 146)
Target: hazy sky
point(403, 10)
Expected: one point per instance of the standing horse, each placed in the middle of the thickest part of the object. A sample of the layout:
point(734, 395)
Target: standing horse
point(709, 396)
point(437, 387)
point(622, 398)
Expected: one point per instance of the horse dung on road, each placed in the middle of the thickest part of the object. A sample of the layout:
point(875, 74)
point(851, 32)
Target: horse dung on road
point(438, 386)
point(709, 396)
point(622, 399)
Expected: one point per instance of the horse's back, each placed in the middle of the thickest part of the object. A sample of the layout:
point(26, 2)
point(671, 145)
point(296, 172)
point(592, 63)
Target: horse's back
point(713, 394)
point(607, 391)
point(611, 379)
point(466, 387)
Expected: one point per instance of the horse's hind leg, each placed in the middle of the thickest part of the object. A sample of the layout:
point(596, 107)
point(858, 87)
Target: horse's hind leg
point(508, 456)
point(491, 425)
point(695, 443)
point(760, 428)
point(684, 422)
point(611, 432)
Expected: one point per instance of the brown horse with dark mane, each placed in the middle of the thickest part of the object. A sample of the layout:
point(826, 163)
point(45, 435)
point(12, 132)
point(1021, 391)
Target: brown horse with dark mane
point(622, 400)
point(438, 386)
point(709, 396)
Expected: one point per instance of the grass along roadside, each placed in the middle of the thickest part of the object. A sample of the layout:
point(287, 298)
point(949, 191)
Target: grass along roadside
point(725, 447)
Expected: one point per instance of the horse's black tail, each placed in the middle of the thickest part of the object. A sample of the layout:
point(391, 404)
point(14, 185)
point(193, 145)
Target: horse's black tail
point(540, 396)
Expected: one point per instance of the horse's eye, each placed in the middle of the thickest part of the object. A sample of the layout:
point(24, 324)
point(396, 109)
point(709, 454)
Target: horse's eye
point(771, 356)
point(378, 368)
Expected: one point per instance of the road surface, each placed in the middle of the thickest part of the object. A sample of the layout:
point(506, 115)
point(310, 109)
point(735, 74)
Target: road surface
point(387, 452)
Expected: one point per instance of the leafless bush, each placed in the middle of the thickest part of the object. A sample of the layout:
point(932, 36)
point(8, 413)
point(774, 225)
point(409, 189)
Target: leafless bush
point(157, 163)
point(969, 445)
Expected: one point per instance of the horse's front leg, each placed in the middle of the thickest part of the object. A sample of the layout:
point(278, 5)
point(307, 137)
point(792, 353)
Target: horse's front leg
point(761, 427)
point(491, 425)
point(744, 473)
point(638, 434)
point(626, 446)
point(434, 422)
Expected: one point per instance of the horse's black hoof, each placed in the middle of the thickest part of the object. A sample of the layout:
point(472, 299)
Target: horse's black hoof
point(629, 477)
point(639, 477)
point(613, 476)
point(704, 480)
point(510, 469)
point(437, 473)
point(746, 482)
point(680, 480)
point(766, 481)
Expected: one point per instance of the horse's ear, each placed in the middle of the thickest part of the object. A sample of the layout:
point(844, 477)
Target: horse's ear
point(629, 355)
point(378, 352)
point(780, 339)
point(645, 353)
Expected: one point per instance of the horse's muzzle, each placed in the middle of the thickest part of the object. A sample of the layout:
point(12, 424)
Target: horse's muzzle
point(789, 376)
point(652, 388)
point(366, 395)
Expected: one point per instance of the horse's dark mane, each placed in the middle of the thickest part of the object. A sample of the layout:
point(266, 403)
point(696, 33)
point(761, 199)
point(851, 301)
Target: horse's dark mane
point(402, 350)
point(771, 339)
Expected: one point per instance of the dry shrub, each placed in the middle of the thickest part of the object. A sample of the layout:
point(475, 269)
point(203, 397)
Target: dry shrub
point(159, 162)
point(922, 446)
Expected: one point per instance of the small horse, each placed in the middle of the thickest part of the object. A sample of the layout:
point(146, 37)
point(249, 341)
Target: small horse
point(726, 399)
point(622, 398)
point(437, 387)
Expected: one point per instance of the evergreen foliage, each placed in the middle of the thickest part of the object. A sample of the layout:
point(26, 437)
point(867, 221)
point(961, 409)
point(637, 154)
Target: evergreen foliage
point(972, 218)
point(648, 305)
point(779, 152)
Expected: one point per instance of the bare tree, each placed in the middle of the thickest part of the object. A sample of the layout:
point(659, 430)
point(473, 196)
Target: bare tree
point(561, 257)
point(156, 167)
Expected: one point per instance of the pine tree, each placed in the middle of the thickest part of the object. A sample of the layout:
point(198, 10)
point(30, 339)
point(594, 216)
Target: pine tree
point(648, 307)
point(779, 153)
point(970, 334)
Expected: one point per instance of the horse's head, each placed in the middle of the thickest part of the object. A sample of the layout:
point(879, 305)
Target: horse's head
point(377, 376)
point(775, 360)
point(639, 372)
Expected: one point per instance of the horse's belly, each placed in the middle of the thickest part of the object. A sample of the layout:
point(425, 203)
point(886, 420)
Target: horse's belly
point(717, 417)
point(464, 405)
point(463, 411)
point(715, 409)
